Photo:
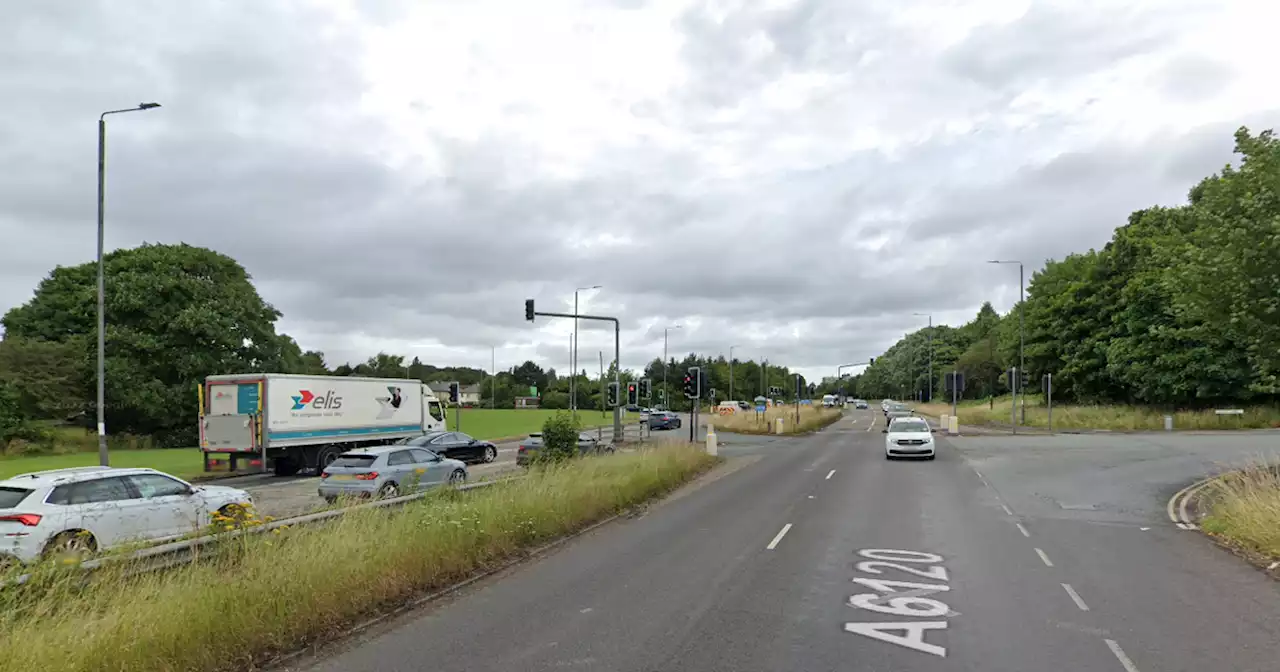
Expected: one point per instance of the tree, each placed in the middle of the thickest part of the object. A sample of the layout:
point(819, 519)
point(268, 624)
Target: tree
point(174, 313)
point(45, 378)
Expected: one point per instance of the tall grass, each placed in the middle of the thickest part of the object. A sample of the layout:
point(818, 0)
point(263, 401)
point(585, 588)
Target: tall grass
point(277, 593)
point(749, 422)
point(1112, 417)
point(1244, 506)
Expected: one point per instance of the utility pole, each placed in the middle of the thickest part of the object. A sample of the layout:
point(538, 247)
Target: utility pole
point(493, 380)
point(665, 332)
point(929, 397)
point(731, 372)
point(103, 459)
point(602, 393)
point(1022, 340)
point(530, 313)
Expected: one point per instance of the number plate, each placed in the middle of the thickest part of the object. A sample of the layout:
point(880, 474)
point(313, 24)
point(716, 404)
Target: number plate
point(342, 477)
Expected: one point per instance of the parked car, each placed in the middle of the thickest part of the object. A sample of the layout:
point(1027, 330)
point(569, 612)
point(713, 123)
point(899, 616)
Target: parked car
point(86, 509)
point(588, 444)
point(908, 437)
point(664, 420)
point(455, 445)
point(388, 471)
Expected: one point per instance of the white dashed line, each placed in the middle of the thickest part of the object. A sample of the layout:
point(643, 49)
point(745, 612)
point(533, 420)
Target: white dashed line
point(1006, 510)
point(1047, 562)
point(1124, 660)
point(1023, 530)
point(1075, 597)
point(830, 474)
point(782, 533)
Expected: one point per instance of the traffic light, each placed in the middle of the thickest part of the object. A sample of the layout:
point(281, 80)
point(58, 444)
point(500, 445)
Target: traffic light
point(692, 380)
point(528, 309)
point(1024, 381)
point(871, 361)
point(453, 393)
point(613, 395)
point(644, 388)
point(633, 394)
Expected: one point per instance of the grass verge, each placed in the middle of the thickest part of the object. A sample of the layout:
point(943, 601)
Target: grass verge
point(1244, 510)
point(812, 418)
point(1110, 417)
point(274, 594)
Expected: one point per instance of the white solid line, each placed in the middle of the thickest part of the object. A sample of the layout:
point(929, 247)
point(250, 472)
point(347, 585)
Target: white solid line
point(1075, 597)
point(774, 544)
point(979, 473)
point(1124, 660)
point(1023, 530)
point(830, 474)
point(1044, 557)
point(1006, 510)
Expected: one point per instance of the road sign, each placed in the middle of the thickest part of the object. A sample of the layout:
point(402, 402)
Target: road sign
point(760, 409)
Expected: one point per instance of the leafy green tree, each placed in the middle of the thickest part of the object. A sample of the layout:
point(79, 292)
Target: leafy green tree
point(174, 313)
point(559, 438)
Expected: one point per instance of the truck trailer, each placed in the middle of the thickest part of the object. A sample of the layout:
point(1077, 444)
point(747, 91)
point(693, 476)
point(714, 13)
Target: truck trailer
point(293, 422)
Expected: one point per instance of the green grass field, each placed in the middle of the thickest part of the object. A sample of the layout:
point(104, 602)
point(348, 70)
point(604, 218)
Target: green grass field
point(1112, 417)
point(78, 448)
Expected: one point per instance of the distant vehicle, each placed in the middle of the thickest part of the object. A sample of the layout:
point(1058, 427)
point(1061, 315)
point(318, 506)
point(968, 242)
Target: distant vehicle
point(860, 403)
point(644, 414)
point(829, 400)
point(884, 405)
point(455, 445)
point(83, 510)
point(896, 413)
point(664, 420)
point(895, 406)
point(908, 437)
point(388, 471)
point(588, 444)
point(632, 408)
point(742, 405)
point(304, 422)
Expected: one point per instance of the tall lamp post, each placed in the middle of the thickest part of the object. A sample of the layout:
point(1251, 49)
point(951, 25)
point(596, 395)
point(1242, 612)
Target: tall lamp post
point(102, 319)
point(731, 371)
point(1022, 341)
point(931, 383)
point(573, 364)
point(665, 401)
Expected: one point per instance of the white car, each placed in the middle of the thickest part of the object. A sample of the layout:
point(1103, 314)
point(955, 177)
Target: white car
point(909, 437)
point(644, 414)
point(86, 509)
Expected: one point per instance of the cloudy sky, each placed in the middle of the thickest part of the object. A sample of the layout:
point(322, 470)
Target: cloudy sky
point(796, 178)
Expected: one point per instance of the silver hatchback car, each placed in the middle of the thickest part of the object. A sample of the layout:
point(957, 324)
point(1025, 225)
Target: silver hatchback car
point(388, 471)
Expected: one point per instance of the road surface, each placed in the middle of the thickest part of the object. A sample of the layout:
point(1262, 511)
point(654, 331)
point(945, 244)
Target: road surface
point(815, 553)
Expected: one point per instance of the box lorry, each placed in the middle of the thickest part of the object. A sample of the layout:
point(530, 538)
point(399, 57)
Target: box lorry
point(292, 422)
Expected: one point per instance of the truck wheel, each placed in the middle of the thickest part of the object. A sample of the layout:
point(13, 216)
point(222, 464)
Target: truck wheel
point(286, 466)
point(325, 457)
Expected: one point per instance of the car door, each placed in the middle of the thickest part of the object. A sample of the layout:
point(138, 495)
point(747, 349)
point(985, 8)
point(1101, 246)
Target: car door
point(108, 508)
point(442, 445)
point(171, 506)
point(429, 467)
point(466, 447)
point(401, 468)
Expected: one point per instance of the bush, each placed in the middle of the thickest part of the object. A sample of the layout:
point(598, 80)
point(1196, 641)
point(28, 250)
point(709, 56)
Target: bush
point(559, 438)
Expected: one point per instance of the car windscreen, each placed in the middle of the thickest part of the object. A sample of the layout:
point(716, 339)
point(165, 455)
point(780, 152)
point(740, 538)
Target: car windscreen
point(354, 460)
point(11, 497)
point(909, 428)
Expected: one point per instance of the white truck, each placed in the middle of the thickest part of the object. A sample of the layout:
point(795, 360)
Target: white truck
point(829, 400)
point(287, 423)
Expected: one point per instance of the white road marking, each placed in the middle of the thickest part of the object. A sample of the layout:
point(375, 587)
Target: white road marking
point(830, 474)
point(1075, 597)
point(1124, 660)
point(1044, 557)
point(782, 533)
point(1006, 510)
point(1023, 530)
point(912, 637)
point(810, 496)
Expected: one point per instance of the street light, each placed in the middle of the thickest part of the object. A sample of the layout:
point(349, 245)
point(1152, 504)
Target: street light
point(1022, 342)
point(573, 359)
point(731, 371)
point(930, 353)
point(665, 331)
point(102, 283)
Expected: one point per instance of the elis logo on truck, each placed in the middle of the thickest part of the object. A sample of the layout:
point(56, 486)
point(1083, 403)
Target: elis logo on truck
point(306, 398)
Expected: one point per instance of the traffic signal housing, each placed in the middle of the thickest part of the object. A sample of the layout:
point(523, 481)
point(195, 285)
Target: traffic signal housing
point(613, 394)
point(453, 393)
point(528, 309)
point(692, 382)
point(633, 394)
point(644, 388)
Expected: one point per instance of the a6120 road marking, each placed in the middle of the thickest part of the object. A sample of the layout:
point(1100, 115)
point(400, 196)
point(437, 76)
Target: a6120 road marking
point(902, 598)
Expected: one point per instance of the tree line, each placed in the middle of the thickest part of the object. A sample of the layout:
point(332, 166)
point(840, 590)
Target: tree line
point(1181, 308)
point(178, 313)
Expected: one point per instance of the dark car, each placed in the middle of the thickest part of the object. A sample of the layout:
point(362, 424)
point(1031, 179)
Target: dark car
point(664, 420)
point(456, 445)
point(588, 444)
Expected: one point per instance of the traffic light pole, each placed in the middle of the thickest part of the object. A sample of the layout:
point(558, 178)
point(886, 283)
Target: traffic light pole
point(617, 355)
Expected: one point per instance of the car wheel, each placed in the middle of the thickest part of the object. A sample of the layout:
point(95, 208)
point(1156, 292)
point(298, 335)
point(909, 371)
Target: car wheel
point(331, 500)
point(458, 477)
point(389, 490)
point(490, 454)
point(76, 545)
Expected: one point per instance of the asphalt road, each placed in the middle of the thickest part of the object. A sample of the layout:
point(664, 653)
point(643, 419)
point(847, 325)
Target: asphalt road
point(1002, 554)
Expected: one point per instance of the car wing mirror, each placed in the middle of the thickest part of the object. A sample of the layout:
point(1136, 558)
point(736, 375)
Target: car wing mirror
point(885, 430)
